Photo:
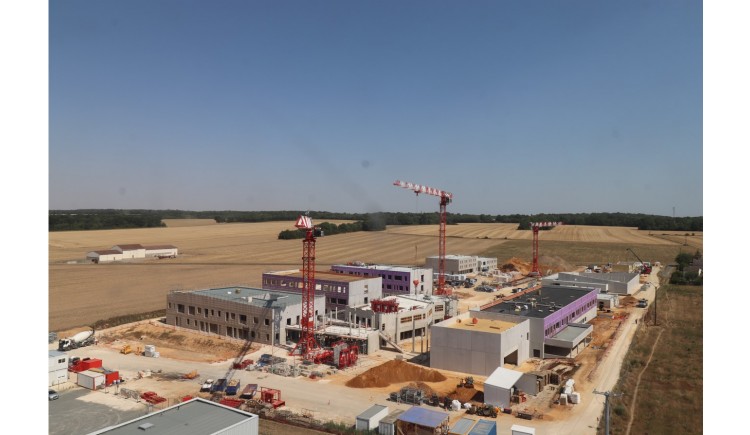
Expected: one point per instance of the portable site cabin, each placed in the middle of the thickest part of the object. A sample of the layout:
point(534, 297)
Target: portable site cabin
point(421, 421)
point(387, 425)
point(484, 427)
point(462, 427)
point(58, 367)
point(370, 419)
point(91, 379)
point(517, 429)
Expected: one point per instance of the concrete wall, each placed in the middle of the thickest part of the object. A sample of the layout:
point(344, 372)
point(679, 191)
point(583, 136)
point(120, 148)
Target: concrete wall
point(224, 317)
point(476, 352)
point(497, 396)
point(618, 282)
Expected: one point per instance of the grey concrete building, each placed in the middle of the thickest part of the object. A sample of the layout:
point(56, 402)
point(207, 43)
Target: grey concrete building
point(239, 312)
point(466, 345)
point(194, 417)
point(622, 283)
point(462, 264)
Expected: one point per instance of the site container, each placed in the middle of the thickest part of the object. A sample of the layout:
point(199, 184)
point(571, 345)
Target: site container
point(110, 376)
point(484, 427)
point(91, 380)
point(219, 385)
point(85, 364)
point(517, 429)
point(370, 419)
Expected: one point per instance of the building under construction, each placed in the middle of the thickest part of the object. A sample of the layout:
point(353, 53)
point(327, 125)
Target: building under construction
point(540, 323)
point(396, 280)
point(258, 315)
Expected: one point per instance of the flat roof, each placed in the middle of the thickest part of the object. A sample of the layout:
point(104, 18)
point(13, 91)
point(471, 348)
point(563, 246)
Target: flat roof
point(372, 411)
point(463, 426)
point(258, 297)
point(503, 378)
point(324, 275)
point(424, 417)
point(392, 417)
point(197, 416)
point(56, 353)
point(546, 298)
point(382, 267)
point(572, 332)
point(484, 325)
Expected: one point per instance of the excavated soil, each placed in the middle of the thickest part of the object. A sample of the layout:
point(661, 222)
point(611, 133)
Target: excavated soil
point(394, 372)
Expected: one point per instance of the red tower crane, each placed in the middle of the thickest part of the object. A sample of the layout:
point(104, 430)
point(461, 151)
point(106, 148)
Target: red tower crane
point(307, 347)
point(535, 244)
point(445, 198)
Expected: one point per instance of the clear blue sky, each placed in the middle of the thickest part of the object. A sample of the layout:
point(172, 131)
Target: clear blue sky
point(513, 106)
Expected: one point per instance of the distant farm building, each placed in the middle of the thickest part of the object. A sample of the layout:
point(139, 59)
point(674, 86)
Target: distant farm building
point(131, 251)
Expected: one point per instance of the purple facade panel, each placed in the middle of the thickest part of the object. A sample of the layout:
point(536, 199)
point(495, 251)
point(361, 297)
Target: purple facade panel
point(563, 315)
point(394, 282)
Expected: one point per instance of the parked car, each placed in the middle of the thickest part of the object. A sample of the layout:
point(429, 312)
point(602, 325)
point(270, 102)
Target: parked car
point(53, 395)
point(207, 385)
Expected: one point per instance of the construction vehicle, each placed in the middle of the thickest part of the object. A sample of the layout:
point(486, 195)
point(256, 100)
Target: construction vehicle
point(487, 410)
point(645, 266)
point(206, 386)
point(126, 349)
point(219, 386)
point(643, 303)
point(467, 382)
point(81, 339)
point(232, 386)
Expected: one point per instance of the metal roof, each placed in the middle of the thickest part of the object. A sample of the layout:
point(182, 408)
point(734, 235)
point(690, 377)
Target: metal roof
point(424, 417)
point(484, 427)
point(372, 412)
point(129, 247)
point(392, 417)
point(56, 353)
point(462, 427)
point(257, 297)
point(194, 417)
point(503, 378)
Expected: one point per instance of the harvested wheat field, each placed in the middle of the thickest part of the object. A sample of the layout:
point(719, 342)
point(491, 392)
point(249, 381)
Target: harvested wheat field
point(172, 223)
point(217, 255)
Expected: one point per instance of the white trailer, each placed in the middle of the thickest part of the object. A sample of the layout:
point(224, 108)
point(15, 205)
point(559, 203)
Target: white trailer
point(91, 379)
point(370, 419)
point(517, 429)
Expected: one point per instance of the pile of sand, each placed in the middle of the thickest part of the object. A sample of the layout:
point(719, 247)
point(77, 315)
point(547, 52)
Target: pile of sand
point(394, 372)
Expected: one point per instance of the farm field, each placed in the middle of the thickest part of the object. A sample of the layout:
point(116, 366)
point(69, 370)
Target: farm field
point(663, 370)
point(237, 254)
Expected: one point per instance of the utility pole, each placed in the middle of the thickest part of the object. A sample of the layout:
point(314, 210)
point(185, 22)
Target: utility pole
point(606, 395)
point(655, 299)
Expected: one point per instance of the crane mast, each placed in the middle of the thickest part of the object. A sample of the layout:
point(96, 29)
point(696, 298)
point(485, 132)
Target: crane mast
point(445, 198)
point(307, 345)
point(535, 245)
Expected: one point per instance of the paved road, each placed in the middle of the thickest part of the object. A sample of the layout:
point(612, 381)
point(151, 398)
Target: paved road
point(71, 414)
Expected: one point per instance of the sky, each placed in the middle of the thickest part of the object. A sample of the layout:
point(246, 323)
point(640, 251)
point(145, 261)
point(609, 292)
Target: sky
point(513, 106)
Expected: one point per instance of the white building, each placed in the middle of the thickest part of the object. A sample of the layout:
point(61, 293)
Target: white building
point(58, 367)
point(131, 251)
point(622, 283)
point(504, 383)
point(396, 280)
point(194, 417)
point(462, 264)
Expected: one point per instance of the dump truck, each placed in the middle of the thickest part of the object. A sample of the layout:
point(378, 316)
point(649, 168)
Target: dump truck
point(81, 339)
point(232, 387)
point(219, 386)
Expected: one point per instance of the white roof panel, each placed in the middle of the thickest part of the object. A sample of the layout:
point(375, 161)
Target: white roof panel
point(503, 378)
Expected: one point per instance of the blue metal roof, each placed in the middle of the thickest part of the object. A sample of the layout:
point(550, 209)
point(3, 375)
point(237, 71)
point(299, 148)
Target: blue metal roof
point(462, 427)
point(424, 417)
point(484, 427)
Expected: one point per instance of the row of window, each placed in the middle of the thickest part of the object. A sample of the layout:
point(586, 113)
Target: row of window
point(206, 313)
point(569, 318)
point(276, 283)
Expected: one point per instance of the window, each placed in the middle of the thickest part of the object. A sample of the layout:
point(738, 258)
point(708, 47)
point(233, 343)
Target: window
point(191, 310)
point(406, 319)
point(199, 310)
point(289, 321)
point(255, 320)
point(62, 360)
point(252, 334)
point(243, 319)
point(169, 305)
point(188, 322)
point(233, 317)
point(266, 322)
point(180, 308)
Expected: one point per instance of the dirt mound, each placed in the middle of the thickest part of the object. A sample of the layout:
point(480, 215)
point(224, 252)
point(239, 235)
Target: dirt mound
point(394, 372)
point(464, 395)
point(554, 263)
point(515, 264)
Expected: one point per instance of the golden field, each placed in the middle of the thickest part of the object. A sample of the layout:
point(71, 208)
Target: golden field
point(238, 253)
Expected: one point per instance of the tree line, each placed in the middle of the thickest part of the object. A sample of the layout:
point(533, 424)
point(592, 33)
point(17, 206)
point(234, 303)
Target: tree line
point(66, 220)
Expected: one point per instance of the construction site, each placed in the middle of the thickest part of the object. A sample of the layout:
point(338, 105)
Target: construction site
point(504, 343)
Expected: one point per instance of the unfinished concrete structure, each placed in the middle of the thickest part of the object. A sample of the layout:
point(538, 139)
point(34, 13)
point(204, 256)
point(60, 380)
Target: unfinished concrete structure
point(340, 290)
point(463, 264)
point(546, 322)
point(397, 280)
point(622, 283)
point(239, 312)
point(478, 343)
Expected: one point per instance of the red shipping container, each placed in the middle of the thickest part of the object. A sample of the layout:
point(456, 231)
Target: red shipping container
point(109, 376)
point(89, 364)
